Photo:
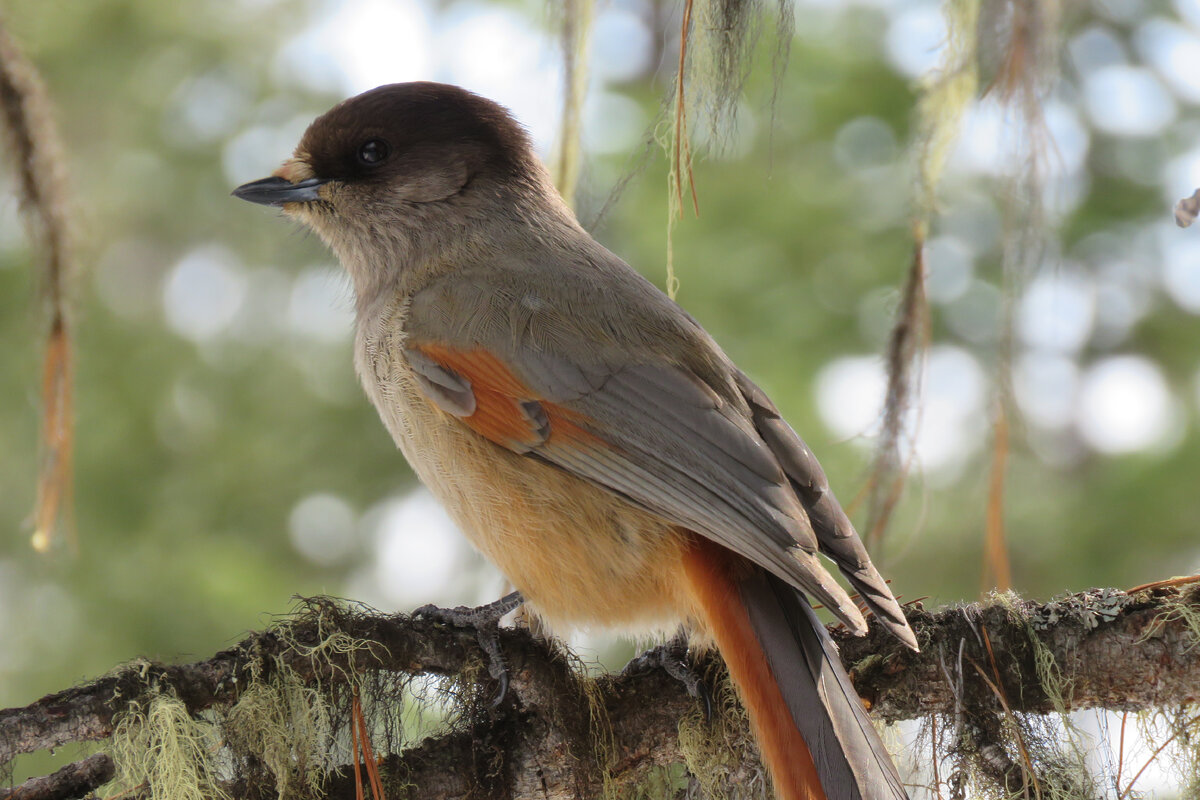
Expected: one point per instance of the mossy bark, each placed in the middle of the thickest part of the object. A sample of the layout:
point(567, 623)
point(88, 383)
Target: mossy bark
point(561, 734)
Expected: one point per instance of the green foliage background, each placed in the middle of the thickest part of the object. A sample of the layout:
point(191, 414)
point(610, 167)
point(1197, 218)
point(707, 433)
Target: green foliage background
point(191, 457)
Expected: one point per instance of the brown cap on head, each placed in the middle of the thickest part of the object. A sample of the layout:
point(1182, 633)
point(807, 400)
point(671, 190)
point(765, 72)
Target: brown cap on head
point(398, 176)
point(427, 139)
point(370, 135)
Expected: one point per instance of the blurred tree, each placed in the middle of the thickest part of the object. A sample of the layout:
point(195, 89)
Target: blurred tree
point(226, 461)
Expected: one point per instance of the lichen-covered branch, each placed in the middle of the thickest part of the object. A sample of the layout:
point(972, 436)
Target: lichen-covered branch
point(560, 734)
point(1096, 649)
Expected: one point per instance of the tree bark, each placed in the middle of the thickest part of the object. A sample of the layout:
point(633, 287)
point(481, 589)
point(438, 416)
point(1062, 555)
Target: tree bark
point(73, 780)
point(560, 735)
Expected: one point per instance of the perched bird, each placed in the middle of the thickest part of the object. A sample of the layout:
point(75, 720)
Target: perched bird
point(585, 432)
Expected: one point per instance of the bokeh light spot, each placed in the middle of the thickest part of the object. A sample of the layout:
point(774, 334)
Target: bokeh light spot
point(864, 142)
point(1057, 311)
point(951, 266)
point(850, 394)
point(1128, 101)
point(1046, 386)
point(321, 528)
point(1124, 405)
point(916, 38)
point(417, 550)
point(203, 293)
point(360, 44)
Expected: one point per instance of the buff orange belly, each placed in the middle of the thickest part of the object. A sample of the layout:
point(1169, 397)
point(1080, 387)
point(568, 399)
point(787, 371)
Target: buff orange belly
point(580, 555)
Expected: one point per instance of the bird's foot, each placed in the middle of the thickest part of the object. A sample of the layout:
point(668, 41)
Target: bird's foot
point(485, 621)
point(672, 658)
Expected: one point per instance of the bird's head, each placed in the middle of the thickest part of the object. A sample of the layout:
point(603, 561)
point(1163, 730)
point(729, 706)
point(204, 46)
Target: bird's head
point(400, 166)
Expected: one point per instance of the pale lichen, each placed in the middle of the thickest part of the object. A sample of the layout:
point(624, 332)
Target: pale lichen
point(160, 747)
point(285, 726)
point(720, 752)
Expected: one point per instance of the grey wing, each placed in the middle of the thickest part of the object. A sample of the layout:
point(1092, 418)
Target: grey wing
point(835, 533)
point(650, 431)
point(686, 454)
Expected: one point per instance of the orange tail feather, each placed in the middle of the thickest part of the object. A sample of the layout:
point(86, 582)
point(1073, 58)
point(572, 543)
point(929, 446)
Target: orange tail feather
point(713, 586)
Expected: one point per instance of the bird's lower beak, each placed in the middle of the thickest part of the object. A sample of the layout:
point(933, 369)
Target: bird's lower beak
point(275, 191)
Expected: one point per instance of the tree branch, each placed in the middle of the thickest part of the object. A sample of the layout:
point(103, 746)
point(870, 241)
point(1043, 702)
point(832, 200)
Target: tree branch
point(561, 735)
point(73, 780)
point(1103, 648)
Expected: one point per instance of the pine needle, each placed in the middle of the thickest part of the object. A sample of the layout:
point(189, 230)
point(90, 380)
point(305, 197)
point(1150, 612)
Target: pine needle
point(356, 748)
point(1165, 584)
point(1127, 791)
point(996, 565)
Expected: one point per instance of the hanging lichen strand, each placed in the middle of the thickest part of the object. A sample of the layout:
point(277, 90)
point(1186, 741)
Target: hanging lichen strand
point(1019, 44)
point(335, 702)
point(574, 21)
point(945, 97)
point(1004, 52)
point(32, 144)
point(717, 41)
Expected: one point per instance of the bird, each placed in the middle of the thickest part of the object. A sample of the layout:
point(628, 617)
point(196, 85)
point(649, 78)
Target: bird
point(585, 432)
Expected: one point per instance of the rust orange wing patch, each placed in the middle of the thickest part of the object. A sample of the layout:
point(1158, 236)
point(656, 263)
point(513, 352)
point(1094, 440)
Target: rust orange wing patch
point(507, 411)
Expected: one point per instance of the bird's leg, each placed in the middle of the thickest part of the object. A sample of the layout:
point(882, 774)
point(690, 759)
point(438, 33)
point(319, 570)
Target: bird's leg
point(485, 621)
point(672, 658)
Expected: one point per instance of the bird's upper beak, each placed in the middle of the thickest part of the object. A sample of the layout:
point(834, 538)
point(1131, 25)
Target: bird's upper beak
point(276, 191)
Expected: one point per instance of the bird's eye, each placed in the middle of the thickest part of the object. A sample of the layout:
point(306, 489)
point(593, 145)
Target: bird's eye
point(373, 152)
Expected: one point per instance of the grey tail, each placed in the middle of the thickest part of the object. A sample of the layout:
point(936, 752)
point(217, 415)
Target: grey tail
point(851, 761)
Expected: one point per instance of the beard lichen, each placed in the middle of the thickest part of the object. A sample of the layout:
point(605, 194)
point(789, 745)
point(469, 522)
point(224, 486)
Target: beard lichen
point(1064, 754)
point(285, 733)
point(162, 749)
point(720, 752)
point(1048, 753)
point(284, 727)
point(305, 685)
point(1184, 607)
point(603, 740)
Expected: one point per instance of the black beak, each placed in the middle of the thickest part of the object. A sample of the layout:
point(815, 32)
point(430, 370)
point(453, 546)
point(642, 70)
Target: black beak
point(277, 191)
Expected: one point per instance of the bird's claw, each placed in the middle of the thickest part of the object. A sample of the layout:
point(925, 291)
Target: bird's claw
point(485, 621)
point(672, 658)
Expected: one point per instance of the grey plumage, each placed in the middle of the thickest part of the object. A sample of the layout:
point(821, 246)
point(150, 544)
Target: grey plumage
point(496, 337)
point(838, 539)
point(818, 693)
point(698, 442)
point(682, 448)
